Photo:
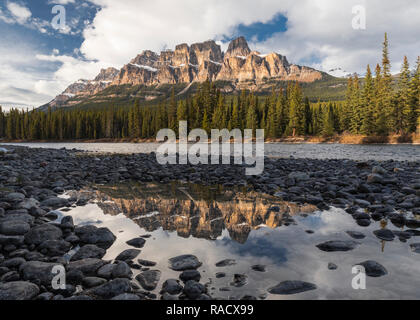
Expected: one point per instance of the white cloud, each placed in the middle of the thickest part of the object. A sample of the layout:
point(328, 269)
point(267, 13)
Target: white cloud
point(19, 12)
point(318, 30)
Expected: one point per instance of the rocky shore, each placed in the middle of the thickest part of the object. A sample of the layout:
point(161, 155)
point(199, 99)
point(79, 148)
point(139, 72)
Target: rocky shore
point(33, 242)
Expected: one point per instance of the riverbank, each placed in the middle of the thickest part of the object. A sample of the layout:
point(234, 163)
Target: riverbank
point(33, 241)
point(336, 139)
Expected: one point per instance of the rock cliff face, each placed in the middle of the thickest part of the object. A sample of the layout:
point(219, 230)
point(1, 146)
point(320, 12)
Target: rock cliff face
point(196, 63)
point(83, 88)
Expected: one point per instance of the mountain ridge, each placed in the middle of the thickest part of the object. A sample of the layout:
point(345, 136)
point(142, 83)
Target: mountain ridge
point(240, 67)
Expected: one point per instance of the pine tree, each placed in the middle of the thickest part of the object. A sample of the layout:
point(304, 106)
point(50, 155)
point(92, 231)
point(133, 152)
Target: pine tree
point(401, 110)
point(414, 114)
point(368, 102)
point(347, 112)
point(297, 112)
point(328, 121)
point(386, 93)
point(355, 105)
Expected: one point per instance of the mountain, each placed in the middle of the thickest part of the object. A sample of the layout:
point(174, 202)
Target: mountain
point(340, 73)
point(237, 68)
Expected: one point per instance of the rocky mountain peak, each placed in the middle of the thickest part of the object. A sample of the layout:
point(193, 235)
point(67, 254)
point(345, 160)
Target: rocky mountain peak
point(238, 47)
point(198, 62)
point(107, 74)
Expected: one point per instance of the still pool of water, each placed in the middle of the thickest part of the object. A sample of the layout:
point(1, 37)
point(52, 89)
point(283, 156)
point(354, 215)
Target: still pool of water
point(400, 152)
point(216, 224)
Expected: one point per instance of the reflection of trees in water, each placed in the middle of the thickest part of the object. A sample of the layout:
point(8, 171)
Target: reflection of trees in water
point(196, 210)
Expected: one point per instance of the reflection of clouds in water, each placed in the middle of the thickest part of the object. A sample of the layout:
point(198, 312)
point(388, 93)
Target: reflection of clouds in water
point(259, 245)
point(288, 252)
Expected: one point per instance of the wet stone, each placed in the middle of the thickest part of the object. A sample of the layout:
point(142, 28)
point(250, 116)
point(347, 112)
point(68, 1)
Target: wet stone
point(172, 286)
point(384, 234)
point(136, 242)
point(356, 234)
point(128, 254)
point(149, 279)
point(239, 280)
point(190, 275)
point(291, 287)
point(184, 262)
point(332, 246)
point(259, 267)
point(373, 268)
point(146, 263)
point(225, 263)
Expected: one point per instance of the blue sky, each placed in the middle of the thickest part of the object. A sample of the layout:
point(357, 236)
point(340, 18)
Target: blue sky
point(38, 62)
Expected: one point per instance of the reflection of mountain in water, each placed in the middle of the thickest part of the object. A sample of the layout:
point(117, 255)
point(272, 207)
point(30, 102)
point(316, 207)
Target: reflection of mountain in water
point(198, 211)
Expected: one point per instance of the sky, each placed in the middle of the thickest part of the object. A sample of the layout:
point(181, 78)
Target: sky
point(39, 59)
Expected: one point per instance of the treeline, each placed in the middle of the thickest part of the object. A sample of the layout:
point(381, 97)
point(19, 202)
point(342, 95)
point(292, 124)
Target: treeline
point(381, 107)
point(281, 114)
point(375, 106)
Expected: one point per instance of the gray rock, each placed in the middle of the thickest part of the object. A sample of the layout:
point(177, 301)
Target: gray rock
point(27, 204)
point(112, 288)
point(291, 287)
point(332, 266)
point(375, 178)
point(14, 197)
point(128, 255)
point(373, 269)
point(184, 262)
point(415, 247)
point(67, 222)
point(146, 263)
point(11, 240)
point(127, 297)
point(172, 286)
point(378, 170)
point(167, 296)
point(10, 277)
point(239, 280)
point(13, 263)
point(54, 248)
point(258, 267)
point(79, 298)
point(136, 242)
point(149, 279)
point(106, 271)
point(14, 228)
point(39, 234)
point(91, 282)
point(55, 203)
point(102, 237)
point(193, 289)
point(356, 234)
point(87, 266)
point(225, 263)
point(299, 176)
point(384, 234)
point(332, 246)
point(122, 270)
point(38, 271)
point(88, 251)
point(18, 290)
point(190, 275)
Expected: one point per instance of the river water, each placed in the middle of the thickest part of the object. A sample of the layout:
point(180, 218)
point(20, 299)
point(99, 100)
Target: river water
point(399, 152)
point(215, 224)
